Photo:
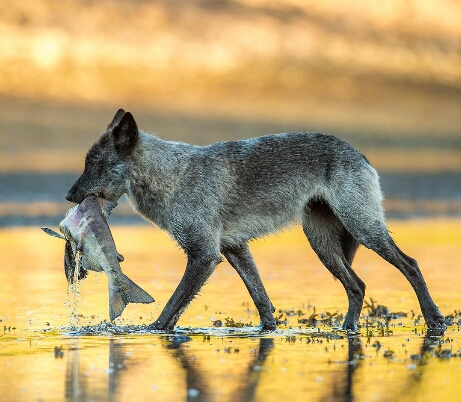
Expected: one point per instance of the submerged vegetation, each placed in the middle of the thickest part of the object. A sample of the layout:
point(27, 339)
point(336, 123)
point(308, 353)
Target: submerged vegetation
point(376, 321)
point(382, 335)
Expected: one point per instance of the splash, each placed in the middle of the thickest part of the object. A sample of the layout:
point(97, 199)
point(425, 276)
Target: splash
point(73, 293)
point(109, 328)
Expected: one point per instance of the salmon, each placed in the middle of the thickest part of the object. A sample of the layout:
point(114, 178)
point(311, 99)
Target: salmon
point(90, 246)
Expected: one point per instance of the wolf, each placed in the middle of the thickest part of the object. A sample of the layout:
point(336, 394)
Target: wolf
point(214, 199)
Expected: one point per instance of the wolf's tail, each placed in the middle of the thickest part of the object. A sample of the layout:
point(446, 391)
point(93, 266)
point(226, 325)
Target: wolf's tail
point(126, 292)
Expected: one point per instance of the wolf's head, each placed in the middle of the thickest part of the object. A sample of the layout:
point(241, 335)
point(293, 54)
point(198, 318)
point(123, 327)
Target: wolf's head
point(107, 161)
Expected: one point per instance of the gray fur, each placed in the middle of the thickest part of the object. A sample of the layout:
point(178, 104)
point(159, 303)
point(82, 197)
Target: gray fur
point(213, 200)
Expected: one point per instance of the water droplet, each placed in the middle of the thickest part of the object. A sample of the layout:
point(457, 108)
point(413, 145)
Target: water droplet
point(193, 393)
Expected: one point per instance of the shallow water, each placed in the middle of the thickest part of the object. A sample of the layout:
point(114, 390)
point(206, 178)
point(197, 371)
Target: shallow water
point(46, 356)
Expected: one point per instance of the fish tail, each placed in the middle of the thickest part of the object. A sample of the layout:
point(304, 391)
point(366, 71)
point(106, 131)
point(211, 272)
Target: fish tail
point(116, 302)
point(127, 292)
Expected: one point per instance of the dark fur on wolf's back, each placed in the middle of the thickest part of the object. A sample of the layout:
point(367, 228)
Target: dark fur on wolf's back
point(213, 200)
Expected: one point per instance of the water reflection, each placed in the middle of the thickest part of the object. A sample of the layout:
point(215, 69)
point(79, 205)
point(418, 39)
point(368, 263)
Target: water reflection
point(200, 379)
point(254, 372)
point(342, 387)
point(196, 387)
point(82, 383)
point(75, 382)
point(77, 377)
point(117, 366)
point(197, 379)
point(431, 341)
point(111, 365)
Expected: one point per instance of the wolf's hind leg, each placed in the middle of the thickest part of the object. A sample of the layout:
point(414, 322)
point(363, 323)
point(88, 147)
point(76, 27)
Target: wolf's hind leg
point(378, 239)
point(335, 248)
point(364, 219)
point(241, 259)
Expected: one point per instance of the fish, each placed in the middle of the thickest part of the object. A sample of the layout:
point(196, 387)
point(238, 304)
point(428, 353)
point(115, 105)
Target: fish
point(90, 247)
point(74, 261)
point(70, 260)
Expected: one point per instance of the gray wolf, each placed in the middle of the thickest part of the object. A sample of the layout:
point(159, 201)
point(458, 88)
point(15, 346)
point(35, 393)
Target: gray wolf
point(86, 230)
point(213, 200)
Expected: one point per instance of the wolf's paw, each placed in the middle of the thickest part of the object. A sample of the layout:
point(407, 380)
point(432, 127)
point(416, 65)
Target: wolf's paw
point(152, 327)
point(438, 323)
point(268, 326)
point(350, 324)
point(156, 327)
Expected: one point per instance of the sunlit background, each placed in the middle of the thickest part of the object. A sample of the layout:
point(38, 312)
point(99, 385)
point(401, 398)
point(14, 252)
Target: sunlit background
point(385, 76)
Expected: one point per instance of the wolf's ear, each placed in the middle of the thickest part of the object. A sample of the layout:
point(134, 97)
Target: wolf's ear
point(125, 134)
point(118, 116)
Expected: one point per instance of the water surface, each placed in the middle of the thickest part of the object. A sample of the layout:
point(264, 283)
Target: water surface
point(46, 356)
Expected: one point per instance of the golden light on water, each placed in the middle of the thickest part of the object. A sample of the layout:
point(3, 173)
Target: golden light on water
point(290, 363)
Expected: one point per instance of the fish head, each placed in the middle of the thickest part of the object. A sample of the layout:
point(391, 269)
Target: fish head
point(70, 226)
point(83, 225)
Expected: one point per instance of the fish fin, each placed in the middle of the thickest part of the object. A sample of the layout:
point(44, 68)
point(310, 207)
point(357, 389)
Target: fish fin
point(133, 293)
point(106, 206)
point(90, 265)
point(71, 264)
point(120, 257)
point(116, 303)
point(127, 292)
point(53, 233)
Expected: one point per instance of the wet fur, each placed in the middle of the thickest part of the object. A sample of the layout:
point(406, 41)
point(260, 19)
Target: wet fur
point(213, 200)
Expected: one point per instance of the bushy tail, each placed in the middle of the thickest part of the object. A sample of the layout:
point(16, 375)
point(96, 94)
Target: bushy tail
point(126, 292)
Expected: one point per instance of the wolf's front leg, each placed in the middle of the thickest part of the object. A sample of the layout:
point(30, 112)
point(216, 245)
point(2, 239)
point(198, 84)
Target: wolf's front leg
point(241, 259)
point(198, 270)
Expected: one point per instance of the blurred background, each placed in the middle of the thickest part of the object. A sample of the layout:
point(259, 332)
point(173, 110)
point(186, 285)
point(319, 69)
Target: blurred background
point(385, 76)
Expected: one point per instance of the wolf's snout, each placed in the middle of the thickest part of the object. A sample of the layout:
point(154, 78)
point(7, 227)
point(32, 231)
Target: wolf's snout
point(69, 196)
point(72, 196)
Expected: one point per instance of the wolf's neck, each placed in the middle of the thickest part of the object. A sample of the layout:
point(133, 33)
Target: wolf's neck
point(156, 168)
